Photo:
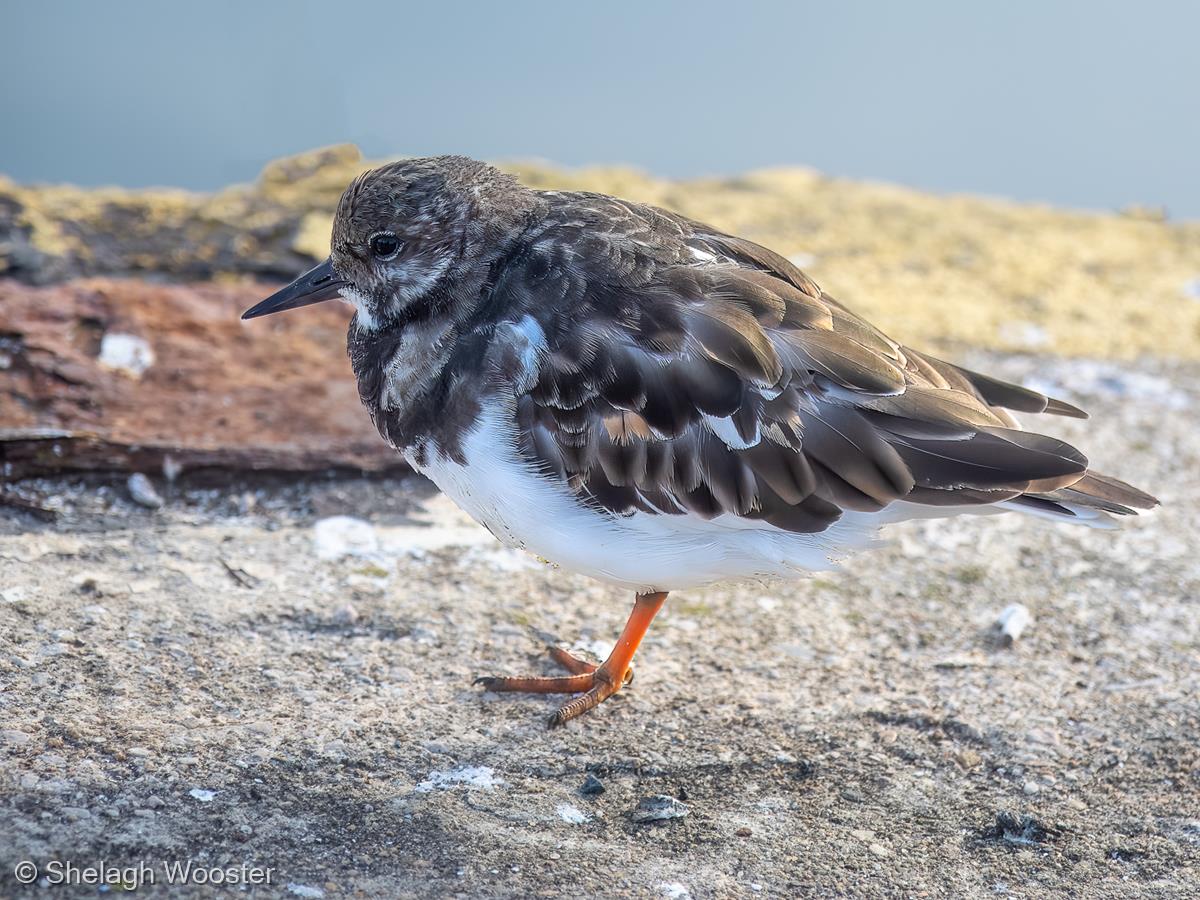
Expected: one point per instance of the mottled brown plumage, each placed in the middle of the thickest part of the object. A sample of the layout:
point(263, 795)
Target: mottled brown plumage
point(591, 377)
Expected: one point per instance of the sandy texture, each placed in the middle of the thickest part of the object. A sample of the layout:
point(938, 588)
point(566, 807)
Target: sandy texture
point(207, 682)
point(933, 271)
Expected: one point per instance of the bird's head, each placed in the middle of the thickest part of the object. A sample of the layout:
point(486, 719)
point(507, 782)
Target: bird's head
point(405, 235)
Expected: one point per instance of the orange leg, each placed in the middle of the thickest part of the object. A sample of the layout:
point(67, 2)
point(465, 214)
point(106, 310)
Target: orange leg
point(594, 684)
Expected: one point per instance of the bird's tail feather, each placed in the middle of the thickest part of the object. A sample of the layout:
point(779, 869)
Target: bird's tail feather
point(1091, 500)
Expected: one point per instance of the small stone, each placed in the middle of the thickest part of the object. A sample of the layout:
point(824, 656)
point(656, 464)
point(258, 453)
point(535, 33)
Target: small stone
point(139, 751)
point(202, 795)
point(591, 785)
point(674, 890)
point(659, 808)
point(1031, 788)
point(968, 759)
point(88, 583)
point(126, 353)
point(1013, 620)
point(879, 850)
point(572, 815)
point(305, 890)
point(171, 468)
point(141, 489)
point(14, 738)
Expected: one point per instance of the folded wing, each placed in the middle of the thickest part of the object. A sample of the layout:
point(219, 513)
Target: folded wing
point(726, 383)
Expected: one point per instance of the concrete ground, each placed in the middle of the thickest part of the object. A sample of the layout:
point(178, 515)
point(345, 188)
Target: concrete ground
point(242, 679)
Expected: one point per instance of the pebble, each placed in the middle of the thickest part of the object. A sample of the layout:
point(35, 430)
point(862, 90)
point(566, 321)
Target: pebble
point(202, 795)
point(141, 489)
point(968, 758)
point(1012, 621)
point(659, 808)
point(304, 890)
point(674, 890)
point(879, 850)
point(572, 815)
point(591, 785)
point(126, 353)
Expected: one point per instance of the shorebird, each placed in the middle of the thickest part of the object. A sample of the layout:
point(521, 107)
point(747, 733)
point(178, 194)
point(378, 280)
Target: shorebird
point(647, 400)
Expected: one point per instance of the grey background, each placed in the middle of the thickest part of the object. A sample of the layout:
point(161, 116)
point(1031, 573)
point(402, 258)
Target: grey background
point(1089, 104)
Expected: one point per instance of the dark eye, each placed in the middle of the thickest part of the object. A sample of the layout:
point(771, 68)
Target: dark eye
point(384, 245)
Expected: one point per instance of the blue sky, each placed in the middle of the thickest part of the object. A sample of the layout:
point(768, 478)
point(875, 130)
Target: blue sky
point(1087, 104)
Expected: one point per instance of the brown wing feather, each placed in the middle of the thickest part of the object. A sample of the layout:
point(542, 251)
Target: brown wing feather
point(732, 385)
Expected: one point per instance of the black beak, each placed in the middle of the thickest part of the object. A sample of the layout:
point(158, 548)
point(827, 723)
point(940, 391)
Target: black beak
point(317, 284)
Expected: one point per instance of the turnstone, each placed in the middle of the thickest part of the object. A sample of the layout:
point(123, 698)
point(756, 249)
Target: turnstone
point(652, 402)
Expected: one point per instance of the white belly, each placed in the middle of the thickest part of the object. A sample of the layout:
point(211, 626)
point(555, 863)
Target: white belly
point(642, 552)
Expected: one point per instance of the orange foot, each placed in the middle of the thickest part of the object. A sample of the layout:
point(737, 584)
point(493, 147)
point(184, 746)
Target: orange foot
point(594, 684)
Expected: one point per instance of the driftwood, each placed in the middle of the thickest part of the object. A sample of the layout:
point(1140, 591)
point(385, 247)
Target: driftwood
point(123, 376)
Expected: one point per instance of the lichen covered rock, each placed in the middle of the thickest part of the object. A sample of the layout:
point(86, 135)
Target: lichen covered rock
point(937, 271)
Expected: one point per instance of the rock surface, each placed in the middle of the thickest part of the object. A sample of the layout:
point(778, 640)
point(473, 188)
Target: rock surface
point(934, 271)
point(190, 385)
point(185, 683)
